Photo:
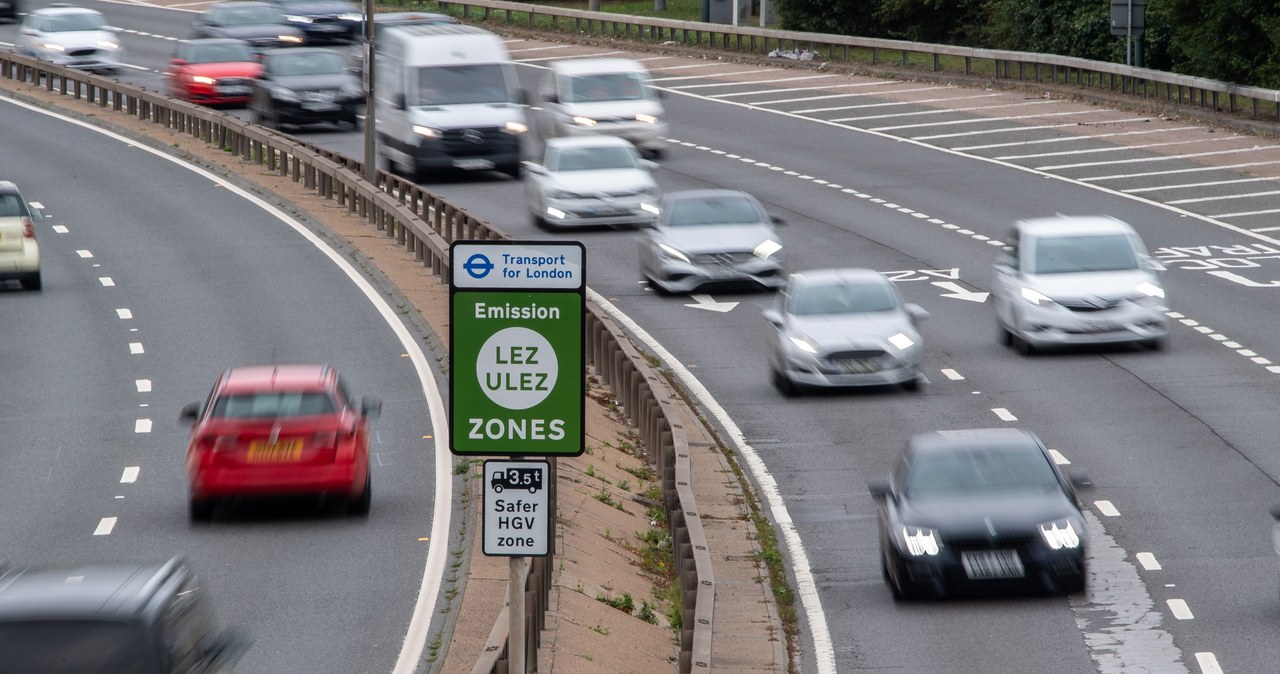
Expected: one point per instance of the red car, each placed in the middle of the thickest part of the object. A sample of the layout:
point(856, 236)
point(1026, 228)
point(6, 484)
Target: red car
point(279, 429)
point(214, 71)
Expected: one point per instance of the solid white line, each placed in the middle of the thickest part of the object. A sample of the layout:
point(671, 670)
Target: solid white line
point(1110, 148)
point(130, 475)
point(142, 426)
point(703, 77)
point(827, 97)
point(124, 314)
point(933, 111)
point(886, 104)
point(1180, 609)
point(1226, 197)
point(1242, 214)
point(568, 58)
point(1068, 139)
point(1004, 414)
point(687, 67)
point(106, 281)
point(824, 87)
point(952, 374)
point(1199, 169)
point(807, 589)
point(1058, 458)
point(84, 253)
point(144, 385)
point(1183, 186)
point(135, 348)
point(981, 120)
point(105, 525)
point(1148, 561)
point(1208, 663)
point(521, 51)
point(1015, 129)
point(60, 229)
point(734, 84)
point(1173, 157)
point(1106, 508)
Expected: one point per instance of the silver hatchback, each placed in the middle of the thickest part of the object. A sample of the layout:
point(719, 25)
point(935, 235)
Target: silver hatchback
point(1073, 281)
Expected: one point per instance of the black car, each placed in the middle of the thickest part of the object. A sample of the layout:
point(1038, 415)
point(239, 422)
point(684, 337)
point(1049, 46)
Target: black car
point(111, 619)
point(324, 20)
point(259, 23)
point(986, 509)
point(306, 86)
point(9, 10)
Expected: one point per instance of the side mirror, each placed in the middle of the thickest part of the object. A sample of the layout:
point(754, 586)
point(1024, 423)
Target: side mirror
point(190, 412)
point(773, 316)
point(535, 168)
point(880, 489)
point(178, 62)
point(1004, 263)
point(917, 313)
point(648, 164)
point(777, 220)
point(397, 101)
point(1079, 479)
point(28, 31)
point(551, 97)
point(371, 407)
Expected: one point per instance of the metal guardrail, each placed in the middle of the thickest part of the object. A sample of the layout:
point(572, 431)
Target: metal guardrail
point(1150, 84)
point(425, 224)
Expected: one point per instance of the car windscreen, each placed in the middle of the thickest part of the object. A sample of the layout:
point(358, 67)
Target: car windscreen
point(1069, 254)
point(11, 206)
point(65, 23)
point(716, 210)
point(843, 298)
point(310, 63)
point(591, 158)
point(75, 647)
point(606, 87)
point(977, 471)
point(463, 84)
point(220, 53)
point(273, 405)
point(249, 16)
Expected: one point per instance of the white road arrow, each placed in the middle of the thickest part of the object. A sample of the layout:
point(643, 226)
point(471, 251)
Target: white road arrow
point(705, 302)
point(960, 293)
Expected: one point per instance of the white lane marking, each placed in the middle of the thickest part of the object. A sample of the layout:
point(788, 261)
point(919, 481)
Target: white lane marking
point(130, 475)
point(952, 374)
point(135, 348)
point(1199, 169)
point(569, 58)
point(84, 253)
point(1242, 214)
point(858, 94)
point(1180, 609)
point(124, 314)
point(142, 426)
point(144, 385)
point(824, 97)
point(528, 49)
point(106, 281)
point(1225, 197)
point(1058, 458)
point(703, 77)
point(1106, 508)
point(1183, 186)
point(60, 229)
point(1004, 414)
point(824, 87)
point(1068, 139)
point(105, 525)
point(36, 205)
point(806, 587)
point(1208, 663)
point(1109, 148)
point(943, 111)
point(1148, 561)
point(979, 120)
point(1140, 160)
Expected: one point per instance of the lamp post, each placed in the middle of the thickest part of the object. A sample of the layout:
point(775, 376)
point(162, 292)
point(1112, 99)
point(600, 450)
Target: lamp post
point(370, 137)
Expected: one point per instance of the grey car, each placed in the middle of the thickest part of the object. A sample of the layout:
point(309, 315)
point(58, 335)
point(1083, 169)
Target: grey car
point(703, 237)
point(260, 24)
point(1077, 280)
point(590, 181)
point(844, 327)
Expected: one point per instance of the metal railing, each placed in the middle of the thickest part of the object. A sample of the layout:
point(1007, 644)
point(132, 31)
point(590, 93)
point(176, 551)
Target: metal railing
point(424, 225)
point(1170, 88)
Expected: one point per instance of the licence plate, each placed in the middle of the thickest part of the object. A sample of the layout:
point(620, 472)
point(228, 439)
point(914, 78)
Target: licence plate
point(318, 106)
point(992, 564)
point(856, 365)
point(1101, 326)
point(472, 164)
point(233, 90)
point(285, 451)
point(606, 210)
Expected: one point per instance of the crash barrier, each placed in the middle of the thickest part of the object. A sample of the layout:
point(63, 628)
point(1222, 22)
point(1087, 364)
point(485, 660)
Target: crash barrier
point(425, 224)
point(1153, 85)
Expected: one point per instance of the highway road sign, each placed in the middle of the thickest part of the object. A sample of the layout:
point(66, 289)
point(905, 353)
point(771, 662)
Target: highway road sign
point(517, 508)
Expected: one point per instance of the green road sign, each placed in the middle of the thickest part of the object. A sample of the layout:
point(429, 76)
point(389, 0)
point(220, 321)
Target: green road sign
point(516, 357)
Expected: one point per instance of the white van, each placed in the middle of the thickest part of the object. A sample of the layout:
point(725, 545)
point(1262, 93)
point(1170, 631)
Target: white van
point(447, 98)
point(603, 95)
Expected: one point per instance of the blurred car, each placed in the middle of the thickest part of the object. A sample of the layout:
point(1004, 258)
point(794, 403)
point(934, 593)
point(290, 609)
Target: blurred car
point(590, 181)
point(323, 20)
point(111, 619)
point(602, 96)
point(259, 23)
point(844, 327)
point(306, 86)
point(1072, 280)
point(19, 250)
point(983, 508)
point(388, 19)
point(76, 37)
point(214, 71)
point(9, 10)
point(277, 430)
point(710, 236)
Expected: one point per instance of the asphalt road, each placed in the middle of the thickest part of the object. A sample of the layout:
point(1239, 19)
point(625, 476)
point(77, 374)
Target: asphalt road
point(921, 181)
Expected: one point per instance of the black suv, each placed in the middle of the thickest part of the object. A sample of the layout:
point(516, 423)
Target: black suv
point(111, 619)
point(9, 10)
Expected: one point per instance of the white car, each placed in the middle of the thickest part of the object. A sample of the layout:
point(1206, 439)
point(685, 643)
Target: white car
point(77, 37)
point(19, 252)
point(1075, 281)
point(602, 96)
point(590, 180)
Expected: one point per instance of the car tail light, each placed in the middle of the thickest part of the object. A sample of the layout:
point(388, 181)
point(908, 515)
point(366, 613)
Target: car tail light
point(28, 229)
point(325, 439)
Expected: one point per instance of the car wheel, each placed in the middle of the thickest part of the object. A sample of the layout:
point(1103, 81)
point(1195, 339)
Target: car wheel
point(1003, 336)
point(784, 384)
point(1073, 584)
point(541, 222)
point(912, 385)
point(201, 509)
point(512, 170)
point(354, 123)
point(1156, 344)
point(1022, 345)
point(32, 281)
point(360, 504)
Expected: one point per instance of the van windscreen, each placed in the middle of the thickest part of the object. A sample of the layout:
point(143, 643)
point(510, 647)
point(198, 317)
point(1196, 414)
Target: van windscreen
point(460, 85)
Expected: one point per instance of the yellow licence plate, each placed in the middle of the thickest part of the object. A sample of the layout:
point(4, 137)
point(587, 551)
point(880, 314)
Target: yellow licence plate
point(275, 452)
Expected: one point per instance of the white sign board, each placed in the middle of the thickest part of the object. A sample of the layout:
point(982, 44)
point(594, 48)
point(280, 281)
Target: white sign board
point(517, 508)
point(518, 265)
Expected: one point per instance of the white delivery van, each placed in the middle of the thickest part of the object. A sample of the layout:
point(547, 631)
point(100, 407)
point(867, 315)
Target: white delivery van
point(603, 95)
point(447, 99)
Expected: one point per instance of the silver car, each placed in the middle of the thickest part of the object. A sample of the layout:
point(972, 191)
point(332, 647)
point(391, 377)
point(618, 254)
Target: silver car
point(77, 37)
point(1070, 280)
point(844, 327)
point(716, 236)
point(590, 180)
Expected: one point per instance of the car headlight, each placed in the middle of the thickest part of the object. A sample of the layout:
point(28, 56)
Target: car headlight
point(803, 344)
point(350, 16)
point(1035, 296)
point(291, 39)
point(583, 121)
point(515, 128)
point(921, 541)
point(901, 341)
point(53, 47)
point(110, 46)
point(295, 18)
point(650, 208)
point(1150, 289)
point(767, 248)
point(426, 131)
point(672, 252)
point(201, 79)
point(647, 119)
point(284, 94)
point(1060, 534)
